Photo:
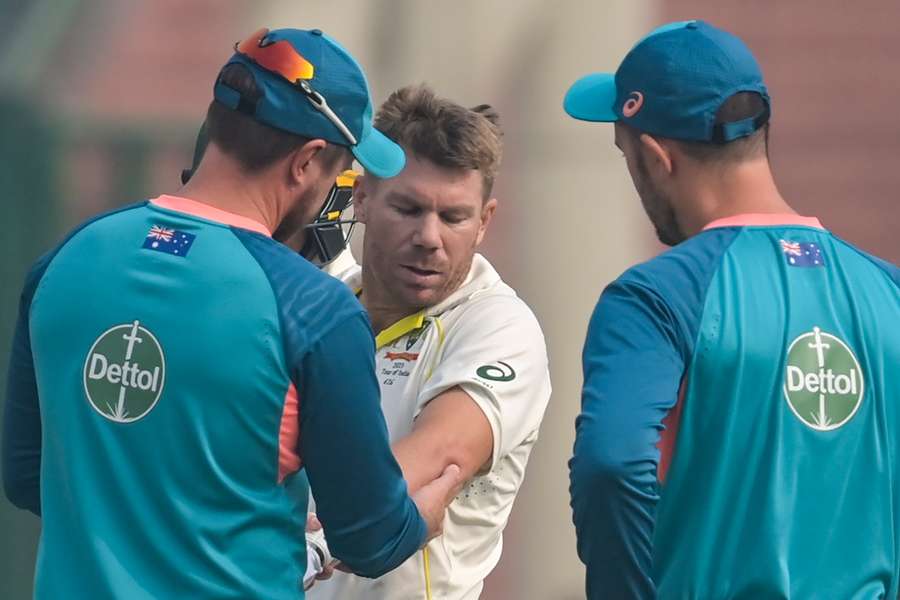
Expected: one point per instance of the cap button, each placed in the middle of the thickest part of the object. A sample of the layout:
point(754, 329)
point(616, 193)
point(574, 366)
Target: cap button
point(691, 25)
point(316, 31)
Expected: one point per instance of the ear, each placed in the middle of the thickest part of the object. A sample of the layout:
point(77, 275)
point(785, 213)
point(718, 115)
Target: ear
point(302, 166)
point(487, 213)
point(658, 153)
point(361, 188)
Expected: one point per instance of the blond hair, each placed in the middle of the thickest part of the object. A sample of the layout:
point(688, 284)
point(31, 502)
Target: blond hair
point(444, 132)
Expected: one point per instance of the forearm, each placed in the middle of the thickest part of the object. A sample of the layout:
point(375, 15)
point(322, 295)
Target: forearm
point(371, 523)
point(613, 503)
point(451, 429)
point(420, 463)
point(21, 463)
point(22, 424)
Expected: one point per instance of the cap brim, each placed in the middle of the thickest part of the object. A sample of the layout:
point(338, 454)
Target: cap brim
point(378, 154)
point(592, 97)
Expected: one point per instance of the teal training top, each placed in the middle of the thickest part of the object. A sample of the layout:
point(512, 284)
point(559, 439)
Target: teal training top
point(176, 379)
point(740, 427)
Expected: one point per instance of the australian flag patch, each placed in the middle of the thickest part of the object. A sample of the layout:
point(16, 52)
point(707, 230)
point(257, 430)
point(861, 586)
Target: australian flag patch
point(170, 241)
point(802, 254)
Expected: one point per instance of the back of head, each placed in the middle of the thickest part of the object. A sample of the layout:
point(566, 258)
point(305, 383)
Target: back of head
point(284, 87)
point(444, 132)
point(753, 146)
point(254, 145)
point(688, 82)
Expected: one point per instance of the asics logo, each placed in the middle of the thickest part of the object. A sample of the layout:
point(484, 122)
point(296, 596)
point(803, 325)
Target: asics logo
point(633, 104)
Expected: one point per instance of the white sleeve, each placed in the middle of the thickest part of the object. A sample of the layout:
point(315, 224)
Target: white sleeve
point(497, 354)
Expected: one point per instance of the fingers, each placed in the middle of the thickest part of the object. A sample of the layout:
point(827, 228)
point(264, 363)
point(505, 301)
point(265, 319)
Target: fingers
point(432, 499)
point(450, 482)
point(312, 522)
point(326, 573)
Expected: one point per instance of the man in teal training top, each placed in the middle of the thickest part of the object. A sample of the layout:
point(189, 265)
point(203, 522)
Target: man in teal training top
point(740, 425)
point(174, 367)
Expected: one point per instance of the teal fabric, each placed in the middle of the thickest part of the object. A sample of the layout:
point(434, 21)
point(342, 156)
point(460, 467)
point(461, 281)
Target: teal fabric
point(104, 527)
point(169, 486)
point(760, 500)
point(758, 504)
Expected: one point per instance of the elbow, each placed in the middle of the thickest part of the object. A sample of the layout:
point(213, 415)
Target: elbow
point(22, 489)
point(605, 477)
point(22, 495)
point(600, 469)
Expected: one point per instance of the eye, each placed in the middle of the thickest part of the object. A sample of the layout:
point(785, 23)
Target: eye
point(452, 218)
point(406, 210)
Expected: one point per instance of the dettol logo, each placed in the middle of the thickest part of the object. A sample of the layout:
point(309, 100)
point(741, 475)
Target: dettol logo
point(124, 372)
point(823, 383)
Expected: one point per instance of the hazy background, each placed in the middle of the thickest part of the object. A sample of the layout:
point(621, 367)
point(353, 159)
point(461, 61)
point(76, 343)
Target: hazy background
point(100, 101)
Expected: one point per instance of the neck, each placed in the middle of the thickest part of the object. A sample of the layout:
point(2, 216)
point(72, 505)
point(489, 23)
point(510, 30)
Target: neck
point(220, 182)
point(744, 188)
point(382, 312)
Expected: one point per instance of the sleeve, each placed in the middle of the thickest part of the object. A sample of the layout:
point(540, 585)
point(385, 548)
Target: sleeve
point(21, 415)
point(497, 354)
point(370, 521)
point(633, 364)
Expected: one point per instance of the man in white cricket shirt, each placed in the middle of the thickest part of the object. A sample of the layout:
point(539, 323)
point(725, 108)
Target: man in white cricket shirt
point(461, 359)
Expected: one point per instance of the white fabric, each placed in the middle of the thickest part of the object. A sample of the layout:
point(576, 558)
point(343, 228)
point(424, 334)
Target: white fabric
point(484, 324)
point(317, 556)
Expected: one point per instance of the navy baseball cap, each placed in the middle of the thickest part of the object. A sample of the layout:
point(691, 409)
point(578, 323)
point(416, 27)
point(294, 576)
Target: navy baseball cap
point(672, 84)
point(311, 86)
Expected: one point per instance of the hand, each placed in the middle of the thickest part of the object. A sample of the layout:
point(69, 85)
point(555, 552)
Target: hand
point(318, 567)
point(432, 498)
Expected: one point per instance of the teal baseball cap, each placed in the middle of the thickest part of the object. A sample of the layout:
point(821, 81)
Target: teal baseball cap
point(672, 83)
point(311, 86)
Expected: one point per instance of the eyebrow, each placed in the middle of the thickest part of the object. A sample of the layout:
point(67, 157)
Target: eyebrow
point(463, 211)
point(403, 197)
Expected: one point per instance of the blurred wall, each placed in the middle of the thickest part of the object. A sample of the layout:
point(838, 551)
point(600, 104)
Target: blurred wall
point(832, 72)
point(125, 84)
point(102, 107)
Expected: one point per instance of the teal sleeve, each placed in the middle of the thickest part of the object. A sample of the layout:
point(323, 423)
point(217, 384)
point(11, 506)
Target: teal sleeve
point(22, 413)
point(370, 522)
point(632, 371)
point(638, 347)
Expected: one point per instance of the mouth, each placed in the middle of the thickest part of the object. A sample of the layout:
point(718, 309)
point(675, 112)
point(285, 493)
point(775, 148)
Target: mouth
point(419, 271)
point(419, 277)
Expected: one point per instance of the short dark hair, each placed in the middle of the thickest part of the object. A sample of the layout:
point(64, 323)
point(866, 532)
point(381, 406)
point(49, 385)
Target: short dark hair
point(254, 145)
point(740, 106)
point(447, 134)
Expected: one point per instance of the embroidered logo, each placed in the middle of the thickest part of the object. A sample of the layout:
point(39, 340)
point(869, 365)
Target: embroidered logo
point(170, 241)
point(633, 104)
point(499, 371)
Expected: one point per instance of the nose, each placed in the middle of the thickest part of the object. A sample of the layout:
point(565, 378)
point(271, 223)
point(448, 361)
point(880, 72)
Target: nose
point(428, 233)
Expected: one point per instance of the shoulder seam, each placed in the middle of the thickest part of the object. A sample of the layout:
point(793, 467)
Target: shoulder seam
point(705, 291)
point(712, 276)
point(281, 324)
point(281, 328)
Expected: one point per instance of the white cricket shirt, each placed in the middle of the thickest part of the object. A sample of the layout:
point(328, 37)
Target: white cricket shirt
point(486, 340)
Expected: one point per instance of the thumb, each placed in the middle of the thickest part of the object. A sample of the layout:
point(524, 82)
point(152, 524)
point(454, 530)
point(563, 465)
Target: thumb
point(449, 482)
